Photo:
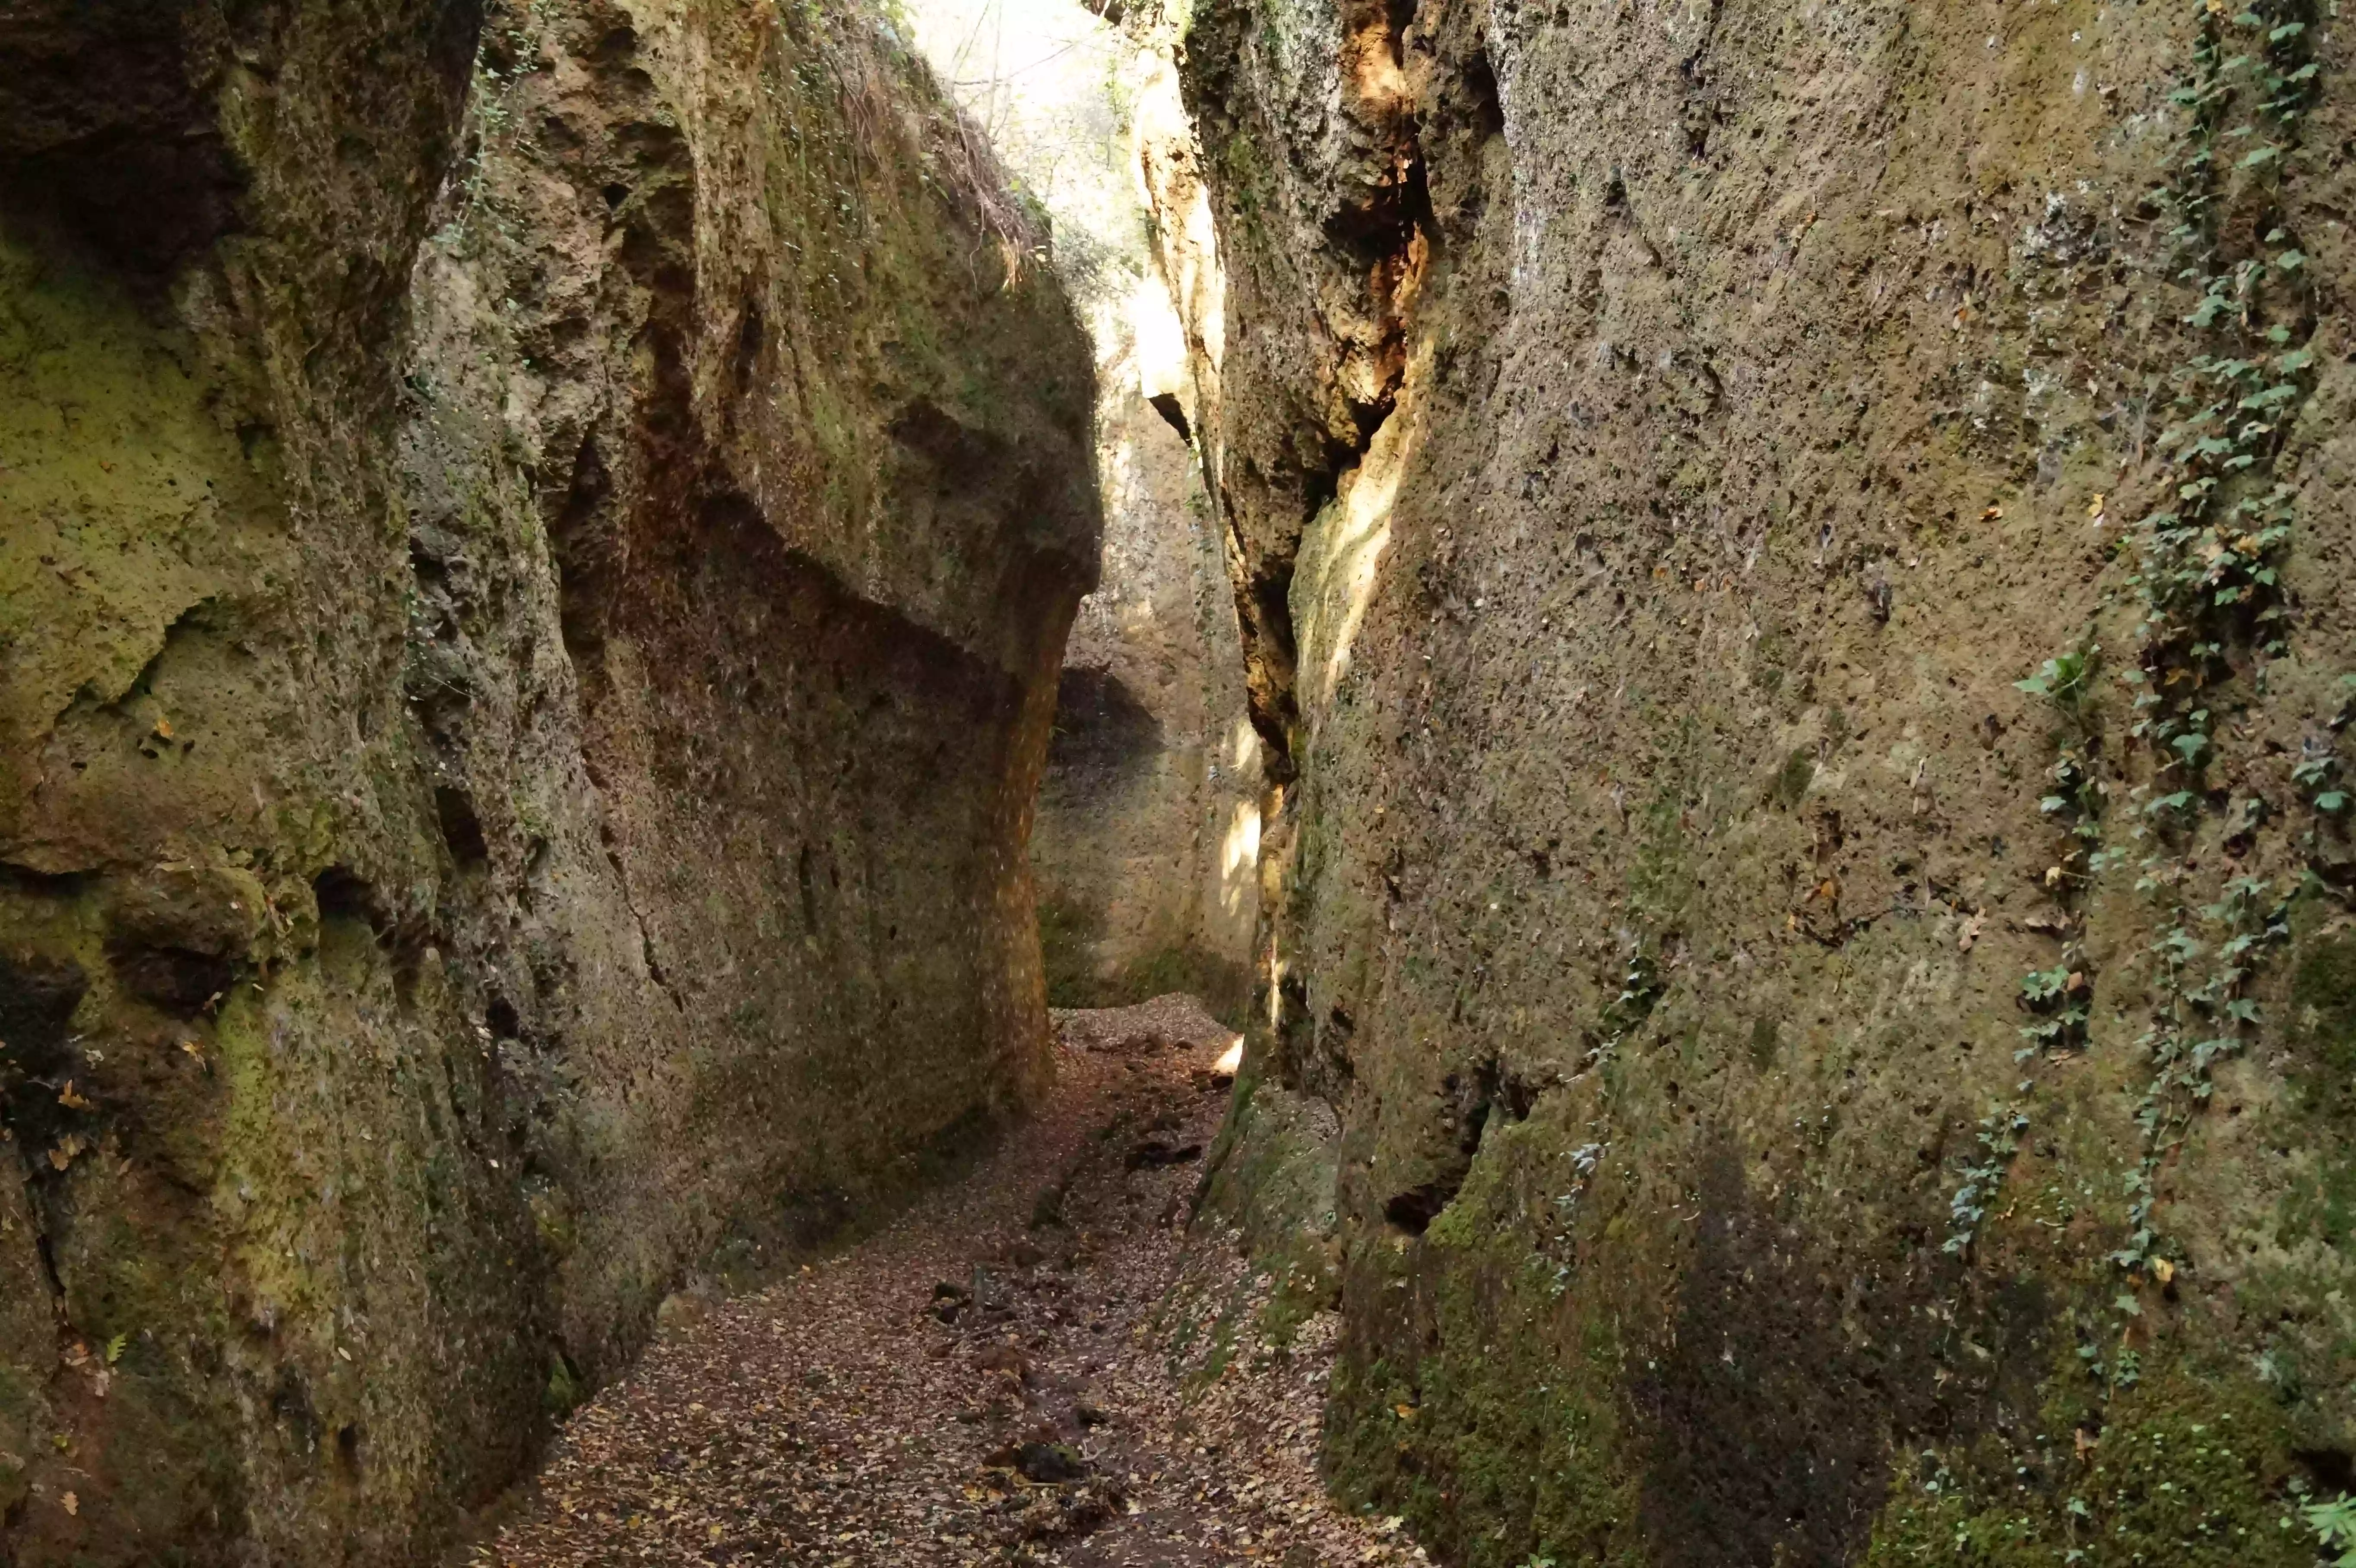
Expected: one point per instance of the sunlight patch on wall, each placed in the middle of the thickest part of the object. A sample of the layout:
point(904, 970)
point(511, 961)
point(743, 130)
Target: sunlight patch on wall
point(1161, 340)
point(1191, 256)
point(1239, 855)
point(1340, 560)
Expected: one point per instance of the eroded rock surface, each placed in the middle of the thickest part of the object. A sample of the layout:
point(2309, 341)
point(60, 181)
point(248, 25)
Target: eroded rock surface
point(1803, 1096)
point(531, 589)
point(1146, 845)
point(1149, 814)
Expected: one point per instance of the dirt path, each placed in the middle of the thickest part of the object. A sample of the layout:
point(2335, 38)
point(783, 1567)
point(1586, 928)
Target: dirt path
point(994, 1378)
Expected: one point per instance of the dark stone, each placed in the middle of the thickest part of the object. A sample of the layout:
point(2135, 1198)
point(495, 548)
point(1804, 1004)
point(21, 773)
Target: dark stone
point(1156, 1152)
point(1049, 1463)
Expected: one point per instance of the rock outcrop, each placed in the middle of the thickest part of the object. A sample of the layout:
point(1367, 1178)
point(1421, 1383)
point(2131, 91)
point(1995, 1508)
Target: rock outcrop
point(1146, 842)
point(537, 548)
point(1147, 848)
point(1794, 563)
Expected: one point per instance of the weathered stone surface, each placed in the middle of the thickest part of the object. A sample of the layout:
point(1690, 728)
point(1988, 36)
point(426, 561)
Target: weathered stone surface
point(1656, 439)
point(1146, 845)
point(1148, 812)
point(527, 629)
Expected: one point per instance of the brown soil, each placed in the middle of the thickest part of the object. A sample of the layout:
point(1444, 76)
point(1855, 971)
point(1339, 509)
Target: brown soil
point(883, 1405)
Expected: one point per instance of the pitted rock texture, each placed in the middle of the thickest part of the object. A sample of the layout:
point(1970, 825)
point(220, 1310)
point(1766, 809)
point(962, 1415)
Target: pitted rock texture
point(1148, 811)
point(1802, 1096)
point(531, 596)
point(1146, 844)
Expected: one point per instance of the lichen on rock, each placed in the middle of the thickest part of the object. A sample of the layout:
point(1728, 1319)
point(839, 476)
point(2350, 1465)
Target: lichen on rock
point(1792, 569)
point(534, 581)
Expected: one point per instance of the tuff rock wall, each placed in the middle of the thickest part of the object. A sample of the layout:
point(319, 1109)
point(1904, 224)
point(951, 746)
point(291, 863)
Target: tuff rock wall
point(535, 551)
point(1796, 568)
point(1146, 849)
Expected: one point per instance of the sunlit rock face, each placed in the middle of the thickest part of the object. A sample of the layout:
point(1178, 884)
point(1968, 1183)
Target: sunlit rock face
point(537, 547)
point(1146, 848)
point(1797, 1094)
point(1148, 811)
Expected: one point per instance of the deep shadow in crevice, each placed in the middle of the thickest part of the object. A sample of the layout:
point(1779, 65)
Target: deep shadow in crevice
point(462, 828)
point(1167, 405)
point(37, 1001)
point(1102, 732)
point(1469, 1103)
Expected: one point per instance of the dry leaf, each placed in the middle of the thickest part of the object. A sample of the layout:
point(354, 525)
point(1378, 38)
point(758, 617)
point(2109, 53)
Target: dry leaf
point(73, 1503)
point(1971, 932)
point(1992, 514)
point(2162, 1270)
point(70, 1100)
point(2096, 510)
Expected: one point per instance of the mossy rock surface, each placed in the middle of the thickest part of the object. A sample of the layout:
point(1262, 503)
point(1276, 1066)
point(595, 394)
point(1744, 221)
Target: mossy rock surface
point(539, 540)
point(1786, 1050)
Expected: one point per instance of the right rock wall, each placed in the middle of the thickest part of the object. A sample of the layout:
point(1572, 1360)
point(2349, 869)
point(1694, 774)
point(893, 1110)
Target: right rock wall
point(1794, 563)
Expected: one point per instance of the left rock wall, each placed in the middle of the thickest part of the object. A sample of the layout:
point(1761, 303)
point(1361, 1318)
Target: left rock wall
point(528, 630)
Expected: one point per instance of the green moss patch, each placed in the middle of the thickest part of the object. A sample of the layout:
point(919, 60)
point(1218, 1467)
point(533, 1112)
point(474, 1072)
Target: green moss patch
point(2188, 1469)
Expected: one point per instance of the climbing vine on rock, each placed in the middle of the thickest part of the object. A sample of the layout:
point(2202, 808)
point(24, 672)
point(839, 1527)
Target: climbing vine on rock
point(2207, 578)
point(2205, 590)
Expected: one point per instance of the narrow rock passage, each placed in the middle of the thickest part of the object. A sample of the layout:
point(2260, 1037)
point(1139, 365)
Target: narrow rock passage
point(1032, 1365)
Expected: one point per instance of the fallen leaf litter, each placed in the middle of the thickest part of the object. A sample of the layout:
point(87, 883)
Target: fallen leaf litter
point(1001, 1376)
